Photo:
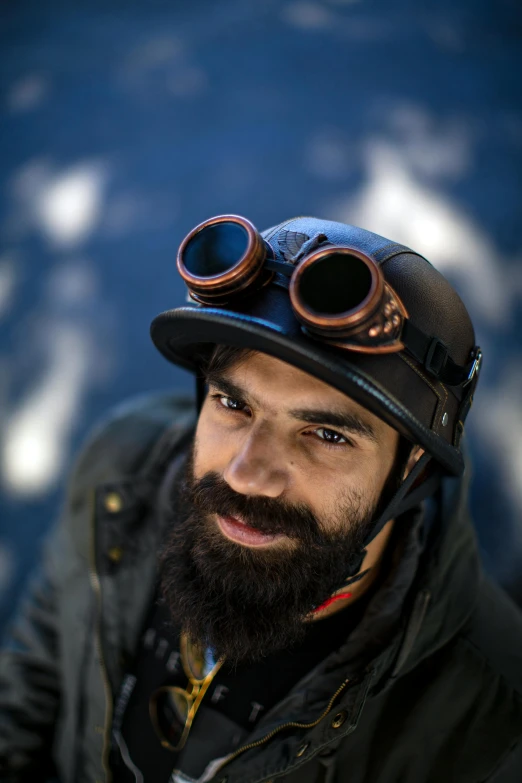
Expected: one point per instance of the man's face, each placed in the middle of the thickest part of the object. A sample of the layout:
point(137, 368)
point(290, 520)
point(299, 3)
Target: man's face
point(281, 486)
point(271, 430)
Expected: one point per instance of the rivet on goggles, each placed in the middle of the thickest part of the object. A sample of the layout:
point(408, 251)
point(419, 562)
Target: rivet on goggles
point(338, 293)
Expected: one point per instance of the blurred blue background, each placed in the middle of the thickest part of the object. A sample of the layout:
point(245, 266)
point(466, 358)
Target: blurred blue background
point(125, 124)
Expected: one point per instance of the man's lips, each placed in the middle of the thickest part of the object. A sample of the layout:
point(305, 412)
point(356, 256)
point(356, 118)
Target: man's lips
point(236, 530)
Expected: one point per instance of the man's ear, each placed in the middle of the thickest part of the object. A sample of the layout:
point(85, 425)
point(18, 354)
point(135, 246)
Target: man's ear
point(415, 455)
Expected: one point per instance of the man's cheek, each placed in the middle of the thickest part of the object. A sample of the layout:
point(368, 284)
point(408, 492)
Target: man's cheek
point(210, 451)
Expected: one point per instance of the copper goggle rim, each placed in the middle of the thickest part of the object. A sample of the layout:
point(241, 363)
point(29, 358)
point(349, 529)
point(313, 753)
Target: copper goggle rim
point(153, 713)
point(210, 289)
point(193, 701)
point(235, 279)
point(350, 318)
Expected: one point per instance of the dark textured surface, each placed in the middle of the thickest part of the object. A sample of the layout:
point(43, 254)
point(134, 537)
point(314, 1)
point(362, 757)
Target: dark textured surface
point(125, 124)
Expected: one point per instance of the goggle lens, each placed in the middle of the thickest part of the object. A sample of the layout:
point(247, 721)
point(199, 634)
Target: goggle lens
point(172, 709)
point(221, 258)
point(215, 249)
point(337, 283)
point(171, 706)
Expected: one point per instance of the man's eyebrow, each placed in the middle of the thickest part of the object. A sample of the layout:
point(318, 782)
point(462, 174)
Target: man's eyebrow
point(350, 422)
point(225, 386)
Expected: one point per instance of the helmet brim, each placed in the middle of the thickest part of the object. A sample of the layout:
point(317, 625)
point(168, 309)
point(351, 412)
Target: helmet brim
point(179, 333)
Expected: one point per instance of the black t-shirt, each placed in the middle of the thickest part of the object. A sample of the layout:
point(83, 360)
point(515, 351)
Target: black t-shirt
point(234, 703)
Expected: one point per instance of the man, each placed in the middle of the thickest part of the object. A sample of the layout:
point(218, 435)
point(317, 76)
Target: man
point(286, 586)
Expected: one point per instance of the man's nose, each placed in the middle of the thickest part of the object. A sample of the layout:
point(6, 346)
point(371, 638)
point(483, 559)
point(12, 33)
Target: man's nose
point(258, 467)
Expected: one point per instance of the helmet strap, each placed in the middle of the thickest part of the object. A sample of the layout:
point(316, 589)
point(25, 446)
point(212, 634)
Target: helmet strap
point(404, 499)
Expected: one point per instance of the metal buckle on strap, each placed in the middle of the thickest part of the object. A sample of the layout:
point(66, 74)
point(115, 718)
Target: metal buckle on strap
point(475, 368)
point(467, 401)
point(436, 357)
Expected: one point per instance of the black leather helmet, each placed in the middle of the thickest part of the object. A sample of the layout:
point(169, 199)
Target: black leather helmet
point(423, 390)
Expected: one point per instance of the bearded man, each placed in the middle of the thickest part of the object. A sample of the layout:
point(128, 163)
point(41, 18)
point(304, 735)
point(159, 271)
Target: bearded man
point(279, 582)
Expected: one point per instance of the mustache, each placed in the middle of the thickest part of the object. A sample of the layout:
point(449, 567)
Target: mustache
point(246, 604)
point(212, 495)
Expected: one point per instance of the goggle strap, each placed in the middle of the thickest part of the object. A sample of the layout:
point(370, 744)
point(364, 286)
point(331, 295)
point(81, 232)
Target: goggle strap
point(433, 354)
point(284, 268)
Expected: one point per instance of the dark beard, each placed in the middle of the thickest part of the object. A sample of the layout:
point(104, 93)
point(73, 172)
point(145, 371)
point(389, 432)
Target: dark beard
point(247, 603)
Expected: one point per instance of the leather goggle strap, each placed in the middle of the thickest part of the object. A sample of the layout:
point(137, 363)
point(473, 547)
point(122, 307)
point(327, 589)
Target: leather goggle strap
point(433, 355)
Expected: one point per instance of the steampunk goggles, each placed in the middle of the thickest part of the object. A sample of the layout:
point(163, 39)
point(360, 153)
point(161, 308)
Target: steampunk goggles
point(172, 709)
point(338, 293)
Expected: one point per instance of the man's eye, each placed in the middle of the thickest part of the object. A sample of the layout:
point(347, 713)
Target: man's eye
point(230, 403)
point(330, 436)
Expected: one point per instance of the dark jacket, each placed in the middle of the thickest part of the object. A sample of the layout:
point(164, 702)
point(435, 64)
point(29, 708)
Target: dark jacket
point(439, 701)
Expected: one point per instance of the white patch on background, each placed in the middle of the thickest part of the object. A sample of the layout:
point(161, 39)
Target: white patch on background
point(68, 204)
point(65, 205)
point(37, 431)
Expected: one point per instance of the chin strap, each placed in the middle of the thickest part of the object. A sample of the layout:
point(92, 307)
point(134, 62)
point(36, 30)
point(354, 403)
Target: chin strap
point(403, 500)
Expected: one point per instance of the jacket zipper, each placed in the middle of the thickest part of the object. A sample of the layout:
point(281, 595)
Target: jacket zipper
point(289, 725)
point(96, 586)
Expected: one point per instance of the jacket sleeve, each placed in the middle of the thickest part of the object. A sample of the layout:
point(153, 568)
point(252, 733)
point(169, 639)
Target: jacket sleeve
point(30, 674)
